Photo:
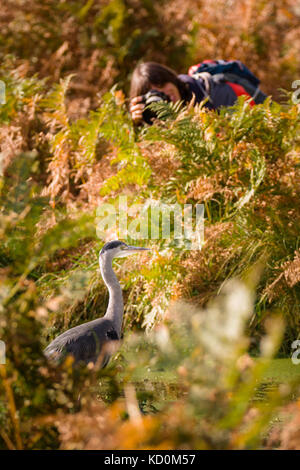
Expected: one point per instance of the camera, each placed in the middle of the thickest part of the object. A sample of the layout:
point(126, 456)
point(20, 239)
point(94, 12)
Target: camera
point(153, 96)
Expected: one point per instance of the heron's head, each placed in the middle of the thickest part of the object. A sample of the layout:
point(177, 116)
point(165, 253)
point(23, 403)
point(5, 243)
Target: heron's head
point(117, 249)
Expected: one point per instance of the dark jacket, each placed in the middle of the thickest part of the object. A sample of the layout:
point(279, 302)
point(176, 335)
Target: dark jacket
point(220, 93)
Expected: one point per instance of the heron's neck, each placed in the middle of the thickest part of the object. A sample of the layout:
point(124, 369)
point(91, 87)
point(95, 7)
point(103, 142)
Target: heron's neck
point(115, 308)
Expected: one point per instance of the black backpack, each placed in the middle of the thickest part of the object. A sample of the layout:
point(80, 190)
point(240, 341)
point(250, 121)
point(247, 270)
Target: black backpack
point(233, 72)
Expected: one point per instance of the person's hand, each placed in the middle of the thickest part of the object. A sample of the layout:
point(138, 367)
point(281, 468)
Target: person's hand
point(136, 109)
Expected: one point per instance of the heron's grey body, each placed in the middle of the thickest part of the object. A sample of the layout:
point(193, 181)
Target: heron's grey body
point(89, 342)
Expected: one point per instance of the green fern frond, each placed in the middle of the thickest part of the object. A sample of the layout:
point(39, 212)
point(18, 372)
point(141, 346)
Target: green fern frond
point(55, 104)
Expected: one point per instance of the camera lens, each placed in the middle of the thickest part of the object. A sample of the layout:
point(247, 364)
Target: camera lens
point(153, 96)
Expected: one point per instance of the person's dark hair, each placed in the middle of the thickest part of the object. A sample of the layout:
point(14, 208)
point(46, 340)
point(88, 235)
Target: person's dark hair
point(148, 74)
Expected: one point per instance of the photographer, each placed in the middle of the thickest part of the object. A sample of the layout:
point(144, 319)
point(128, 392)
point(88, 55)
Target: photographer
point(218, 90)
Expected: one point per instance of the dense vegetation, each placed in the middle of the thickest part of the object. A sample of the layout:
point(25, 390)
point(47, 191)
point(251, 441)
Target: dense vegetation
point(214, 318)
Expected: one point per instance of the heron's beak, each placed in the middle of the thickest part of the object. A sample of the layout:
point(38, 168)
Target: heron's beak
point(131, 250)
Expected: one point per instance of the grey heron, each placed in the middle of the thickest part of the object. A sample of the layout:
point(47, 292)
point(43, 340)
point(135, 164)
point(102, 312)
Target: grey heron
point(89, 341)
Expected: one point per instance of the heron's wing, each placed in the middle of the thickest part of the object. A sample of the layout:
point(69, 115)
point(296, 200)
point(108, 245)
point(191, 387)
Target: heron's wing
point(86, 343)
point(82, 348)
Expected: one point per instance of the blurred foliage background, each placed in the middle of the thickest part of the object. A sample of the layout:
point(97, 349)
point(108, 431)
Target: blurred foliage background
point(101, 41)
point(212, 328)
